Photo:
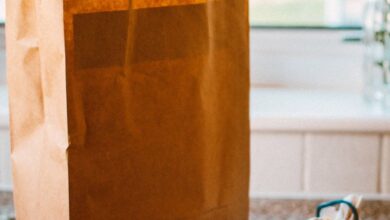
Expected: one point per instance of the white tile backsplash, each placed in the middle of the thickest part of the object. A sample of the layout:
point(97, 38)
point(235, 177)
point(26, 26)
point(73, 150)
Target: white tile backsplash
point(385, 161)
point(276, 162)
point(5, 166)
point(342, 163)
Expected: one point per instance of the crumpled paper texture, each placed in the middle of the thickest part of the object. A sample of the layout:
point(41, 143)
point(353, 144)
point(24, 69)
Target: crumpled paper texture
point(129, 109)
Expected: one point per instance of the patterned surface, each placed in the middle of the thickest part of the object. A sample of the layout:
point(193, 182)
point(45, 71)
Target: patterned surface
point(269, 209)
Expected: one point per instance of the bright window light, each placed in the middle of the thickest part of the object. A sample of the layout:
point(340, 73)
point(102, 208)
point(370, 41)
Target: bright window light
point(328, 13)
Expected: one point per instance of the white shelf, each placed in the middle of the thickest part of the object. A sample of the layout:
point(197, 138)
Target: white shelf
point(312, 110)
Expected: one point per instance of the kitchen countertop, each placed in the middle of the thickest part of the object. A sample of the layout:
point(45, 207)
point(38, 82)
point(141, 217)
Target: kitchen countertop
point(315, 110)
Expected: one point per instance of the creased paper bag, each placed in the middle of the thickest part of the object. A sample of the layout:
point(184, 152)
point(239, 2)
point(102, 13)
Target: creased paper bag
point(129, 109)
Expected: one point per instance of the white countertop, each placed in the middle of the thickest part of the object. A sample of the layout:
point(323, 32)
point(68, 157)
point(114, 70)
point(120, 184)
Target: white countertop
point(312, 110)
point(297, 110)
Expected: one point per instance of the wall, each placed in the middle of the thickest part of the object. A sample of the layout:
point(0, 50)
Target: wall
point(320, 163)
point(314, 59)
point(5, 169)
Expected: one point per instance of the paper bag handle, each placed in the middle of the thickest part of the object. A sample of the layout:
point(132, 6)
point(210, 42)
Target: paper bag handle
point(338, 202)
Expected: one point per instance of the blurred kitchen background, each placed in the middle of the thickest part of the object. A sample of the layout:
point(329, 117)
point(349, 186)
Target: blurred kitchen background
point(314, 136)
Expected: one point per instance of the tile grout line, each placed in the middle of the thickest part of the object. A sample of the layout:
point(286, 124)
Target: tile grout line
point(304, 178)
point(381, 161)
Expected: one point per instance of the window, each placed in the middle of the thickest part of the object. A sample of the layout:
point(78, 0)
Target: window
point(319, 49)
point(328, 13)
point(323, 13)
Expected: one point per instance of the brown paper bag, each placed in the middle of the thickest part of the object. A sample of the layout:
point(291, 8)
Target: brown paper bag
point(129, 109)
